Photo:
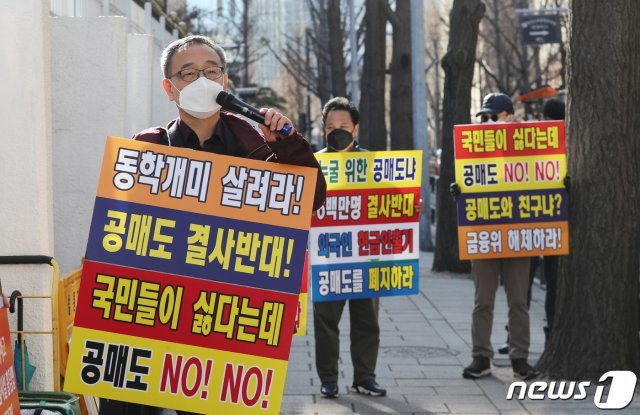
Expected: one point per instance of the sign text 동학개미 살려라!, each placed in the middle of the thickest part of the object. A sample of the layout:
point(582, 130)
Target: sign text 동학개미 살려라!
point(190, 285)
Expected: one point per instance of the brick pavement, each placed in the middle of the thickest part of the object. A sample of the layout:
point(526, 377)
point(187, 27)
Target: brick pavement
point(425, 344)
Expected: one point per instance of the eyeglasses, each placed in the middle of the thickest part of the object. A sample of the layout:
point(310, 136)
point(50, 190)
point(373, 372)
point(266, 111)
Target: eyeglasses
point(485, 118)
point(189, 75)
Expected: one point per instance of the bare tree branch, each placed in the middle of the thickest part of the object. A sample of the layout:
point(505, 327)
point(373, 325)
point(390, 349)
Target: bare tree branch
point(488, 70)
point(390, 14)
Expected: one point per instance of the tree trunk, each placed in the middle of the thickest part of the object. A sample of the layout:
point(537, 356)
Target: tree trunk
point(436, 105)
point(323, 59)
point(437, 109)
point(525, 84)
point(401, 104)
point(246, 42)
point(373, 130)
point(336, 51)
point(596, 320)
point(563, 67)
point(458, 65)
point(502, 72)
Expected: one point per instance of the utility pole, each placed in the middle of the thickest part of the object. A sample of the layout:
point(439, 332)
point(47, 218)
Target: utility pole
point(353, 67)
point(420, 125)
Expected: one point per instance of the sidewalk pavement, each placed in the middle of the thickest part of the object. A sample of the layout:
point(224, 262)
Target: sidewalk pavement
point(424, 346)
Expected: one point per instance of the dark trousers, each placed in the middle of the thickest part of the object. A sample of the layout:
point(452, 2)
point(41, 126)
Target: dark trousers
point(486, 274)
point(113, 407)
point(365, 338)
point(533, 268)
point(551, 275)
point(550, 268)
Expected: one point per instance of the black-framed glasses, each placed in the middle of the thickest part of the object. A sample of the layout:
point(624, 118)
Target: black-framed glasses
point(486, 118)
point(191, 74)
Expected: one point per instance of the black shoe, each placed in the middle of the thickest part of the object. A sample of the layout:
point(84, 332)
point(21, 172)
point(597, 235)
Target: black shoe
point(522, 369)
point(547, 333)
point(368, 387)
point(504, 349)
point(479, 367)
point(329, 389)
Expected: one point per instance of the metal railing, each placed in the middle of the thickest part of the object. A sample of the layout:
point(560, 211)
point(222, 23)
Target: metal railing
point(150, 19)
point(46, 260)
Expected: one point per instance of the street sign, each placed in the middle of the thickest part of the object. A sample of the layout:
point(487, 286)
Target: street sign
point(539, 29)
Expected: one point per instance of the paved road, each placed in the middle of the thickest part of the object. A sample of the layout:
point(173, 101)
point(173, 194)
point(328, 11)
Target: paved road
point(424, 347)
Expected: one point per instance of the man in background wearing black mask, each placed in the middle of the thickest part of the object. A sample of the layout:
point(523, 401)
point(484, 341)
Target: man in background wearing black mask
point(341, 118)
point(341, 125)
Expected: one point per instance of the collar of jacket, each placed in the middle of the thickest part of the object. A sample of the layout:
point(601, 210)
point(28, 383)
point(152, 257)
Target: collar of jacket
point(356, 147)
point(238, 136)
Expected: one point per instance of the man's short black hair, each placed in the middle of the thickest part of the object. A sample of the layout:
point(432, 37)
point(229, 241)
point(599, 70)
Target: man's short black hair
point(175, 46)
point(554, 109)
point(341, 104)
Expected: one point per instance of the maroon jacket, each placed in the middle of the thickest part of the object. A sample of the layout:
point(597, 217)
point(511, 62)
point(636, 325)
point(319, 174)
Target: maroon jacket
point(233, 136)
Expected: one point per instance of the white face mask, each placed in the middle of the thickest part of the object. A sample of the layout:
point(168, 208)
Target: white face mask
point(198, 99)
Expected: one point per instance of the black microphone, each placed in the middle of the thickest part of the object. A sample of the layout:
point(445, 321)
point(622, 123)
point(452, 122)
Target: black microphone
point(231, 103)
